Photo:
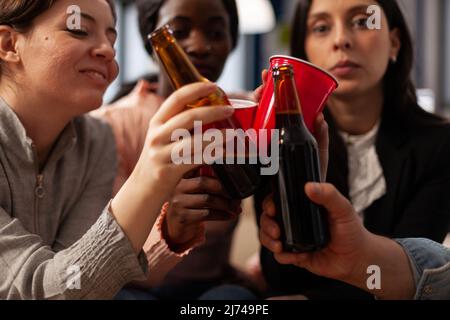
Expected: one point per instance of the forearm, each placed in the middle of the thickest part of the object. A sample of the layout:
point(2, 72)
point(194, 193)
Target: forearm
point(136, 208)
point(396, 276)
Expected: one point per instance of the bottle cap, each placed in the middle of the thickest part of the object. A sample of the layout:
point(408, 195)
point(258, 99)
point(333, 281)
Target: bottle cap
point(284, 68)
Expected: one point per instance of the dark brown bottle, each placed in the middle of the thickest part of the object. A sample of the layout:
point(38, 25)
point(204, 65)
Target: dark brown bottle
point(240, 180)
point(303, 223)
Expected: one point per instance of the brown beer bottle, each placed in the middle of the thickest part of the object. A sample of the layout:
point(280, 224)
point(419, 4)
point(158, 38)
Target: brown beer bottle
point(240, 180)
point(303, 223)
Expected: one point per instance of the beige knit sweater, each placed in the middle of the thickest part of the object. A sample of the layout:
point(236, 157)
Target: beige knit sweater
point(57, 238)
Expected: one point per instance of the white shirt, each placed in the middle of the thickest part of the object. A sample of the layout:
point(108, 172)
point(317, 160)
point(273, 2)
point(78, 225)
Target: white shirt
point(366, 180)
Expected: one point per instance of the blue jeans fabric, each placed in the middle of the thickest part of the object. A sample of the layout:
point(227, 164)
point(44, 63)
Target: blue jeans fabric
point(189, 292)
point(430, 262)
point(134, 294)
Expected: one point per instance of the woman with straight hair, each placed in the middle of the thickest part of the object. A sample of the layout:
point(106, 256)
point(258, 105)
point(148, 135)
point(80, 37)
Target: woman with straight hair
point(387, 155)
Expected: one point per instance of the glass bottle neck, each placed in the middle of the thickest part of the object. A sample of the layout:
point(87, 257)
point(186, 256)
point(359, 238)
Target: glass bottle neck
point(287, 107)
point(176, 63)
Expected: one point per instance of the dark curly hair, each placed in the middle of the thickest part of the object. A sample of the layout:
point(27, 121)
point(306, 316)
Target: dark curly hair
point(148, 11)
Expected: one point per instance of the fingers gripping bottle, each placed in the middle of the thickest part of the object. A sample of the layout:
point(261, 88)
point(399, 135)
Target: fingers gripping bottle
point(240, 179)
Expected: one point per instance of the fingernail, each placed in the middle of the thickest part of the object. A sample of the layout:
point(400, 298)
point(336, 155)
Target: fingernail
point(229, 110)
point(316, 188)
point(321, 117)
point(211, 86)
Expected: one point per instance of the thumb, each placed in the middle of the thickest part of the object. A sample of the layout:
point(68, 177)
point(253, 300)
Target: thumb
point(269, 206)
point(142, 87)
point(264, 76)
point(326, 195)
point(257, 94)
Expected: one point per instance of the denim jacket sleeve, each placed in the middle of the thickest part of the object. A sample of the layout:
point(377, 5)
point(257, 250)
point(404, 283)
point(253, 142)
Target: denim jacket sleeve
point(430, 262)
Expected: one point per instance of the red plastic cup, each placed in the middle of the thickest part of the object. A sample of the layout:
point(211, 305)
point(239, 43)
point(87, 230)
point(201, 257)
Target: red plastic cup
point(314, 86)
point(244, 113)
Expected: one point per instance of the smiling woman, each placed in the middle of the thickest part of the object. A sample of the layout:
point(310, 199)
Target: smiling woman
point(57, 164)
point(52, 41)
point(207, 31)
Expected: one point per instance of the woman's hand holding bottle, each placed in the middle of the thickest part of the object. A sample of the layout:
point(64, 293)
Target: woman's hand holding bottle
point(138, 203)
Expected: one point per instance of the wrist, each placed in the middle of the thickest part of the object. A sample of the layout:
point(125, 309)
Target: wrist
point(171, 241)
point(135, 212)
point(148, 184)
point(382, 269)
point(397, 275)
point(363, 257)
point(178, 238)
